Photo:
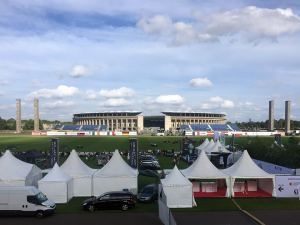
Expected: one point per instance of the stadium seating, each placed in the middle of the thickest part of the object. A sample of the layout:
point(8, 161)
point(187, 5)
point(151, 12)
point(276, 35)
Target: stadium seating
point(200, 127)
point(220, 127)
point(234, 127)
point(89, 128)
point(71, 127)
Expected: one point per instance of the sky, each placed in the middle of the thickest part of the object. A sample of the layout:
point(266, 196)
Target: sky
point(151, 56)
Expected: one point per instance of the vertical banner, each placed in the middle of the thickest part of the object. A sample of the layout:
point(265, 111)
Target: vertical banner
point(133, 152)
point(232, 143)
point(216, 136)
point(222, 139)
point(54, 151)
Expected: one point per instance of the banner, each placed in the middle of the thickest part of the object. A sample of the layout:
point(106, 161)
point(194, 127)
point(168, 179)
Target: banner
point(54, 151)
point(287, 186)
point(133, 152)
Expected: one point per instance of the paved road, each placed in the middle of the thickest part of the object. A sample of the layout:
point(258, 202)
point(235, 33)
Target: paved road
point(212, 218)
point(281, 217)
point(126, 218)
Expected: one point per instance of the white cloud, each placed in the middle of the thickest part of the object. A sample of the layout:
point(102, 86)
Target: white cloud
point(158, 24)
point(91, 94)
point(58, 104)
point(116, 102)
point(117, 93)
point(59, 92)
point(79, 71)
point(170, 99)
point(217, 103)
point(251, 23)
point(201, 82)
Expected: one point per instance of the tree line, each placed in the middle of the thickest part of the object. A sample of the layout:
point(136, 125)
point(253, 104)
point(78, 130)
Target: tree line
point(264, 125)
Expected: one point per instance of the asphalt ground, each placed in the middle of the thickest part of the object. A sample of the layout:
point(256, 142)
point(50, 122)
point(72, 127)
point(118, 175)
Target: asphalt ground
point(278, 217)
point(123, 218)
point(212, 218)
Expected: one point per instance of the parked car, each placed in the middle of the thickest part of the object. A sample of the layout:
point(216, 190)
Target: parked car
point(24, 200)
point(149, 165)
point(149, 193)
point(123, 200)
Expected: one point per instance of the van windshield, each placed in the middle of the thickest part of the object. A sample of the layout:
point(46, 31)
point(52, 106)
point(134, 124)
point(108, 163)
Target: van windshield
point(41, 197)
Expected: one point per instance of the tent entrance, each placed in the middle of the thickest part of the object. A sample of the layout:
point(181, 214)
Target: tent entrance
point(209, 188)
point(251, 188)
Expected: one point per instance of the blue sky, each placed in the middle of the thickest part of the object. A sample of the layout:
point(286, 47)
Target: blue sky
point(151, 56)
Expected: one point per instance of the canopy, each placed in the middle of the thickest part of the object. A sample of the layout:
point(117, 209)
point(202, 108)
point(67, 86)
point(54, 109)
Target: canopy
point(178, 190)
point(246, 168)
point(216, 148)
point(203, 169)
point(81, 174)
point(116, 175)
point(15, 172)
point(57, 185)
point(203, 145)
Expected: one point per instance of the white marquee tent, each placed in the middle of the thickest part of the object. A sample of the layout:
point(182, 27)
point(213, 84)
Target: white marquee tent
point(247, 179)
point(203, 145)
point(214, 180)
point(57, 185)
point(82, 174)
point(178, 190)
point(116, 175)
point(15, 172)
point(216, 148)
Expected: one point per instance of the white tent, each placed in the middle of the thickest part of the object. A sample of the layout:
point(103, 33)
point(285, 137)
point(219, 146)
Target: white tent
point(215, 181)
point(116, 175)
point(15, 172)
point(247, 178)
point(203, 145)
point(82, 174)
point(178, 190)
point(216, 148)
point(57, 185)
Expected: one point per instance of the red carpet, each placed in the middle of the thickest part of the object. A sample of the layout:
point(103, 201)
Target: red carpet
point(220, 194)
point(252, 194)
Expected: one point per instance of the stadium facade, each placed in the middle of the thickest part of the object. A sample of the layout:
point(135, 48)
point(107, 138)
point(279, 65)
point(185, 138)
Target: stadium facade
point(114, 121)
point(134, 121)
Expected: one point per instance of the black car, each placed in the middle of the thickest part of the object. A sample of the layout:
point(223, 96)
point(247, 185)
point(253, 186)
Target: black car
point(111, 200)
point(149, 193)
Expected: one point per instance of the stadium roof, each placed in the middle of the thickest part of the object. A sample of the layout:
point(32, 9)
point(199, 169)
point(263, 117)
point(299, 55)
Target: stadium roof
point(193, 114)
point(111, 113)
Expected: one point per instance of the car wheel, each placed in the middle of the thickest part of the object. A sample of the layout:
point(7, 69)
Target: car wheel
point(91, 208)
point(39, 214)
point(124, 207)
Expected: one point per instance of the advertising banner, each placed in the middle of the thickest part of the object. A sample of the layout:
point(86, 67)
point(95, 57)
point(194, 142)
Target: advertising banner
point(54, 151)
point(133, 152)
point(287, 186)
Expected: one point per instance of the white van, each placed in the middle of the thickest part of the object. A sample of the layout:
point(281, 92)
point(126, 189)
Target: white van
point(26, 200)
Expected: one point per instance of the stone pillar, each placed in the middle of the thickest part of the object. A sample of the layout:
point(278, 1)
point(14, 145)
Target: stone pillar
point(287, 117)
point(18, 115)
point(36, 115)
point(271, 115)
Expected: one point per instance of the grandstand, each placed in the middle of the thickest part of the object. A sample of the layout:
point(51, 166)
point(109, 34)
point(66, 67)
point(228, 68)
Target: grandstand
point(83, 128)
point(209, 127)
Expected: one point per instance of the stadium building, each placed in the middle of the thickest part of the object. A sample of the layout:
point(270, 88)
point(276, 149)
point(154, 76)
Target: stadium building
point(114, 121)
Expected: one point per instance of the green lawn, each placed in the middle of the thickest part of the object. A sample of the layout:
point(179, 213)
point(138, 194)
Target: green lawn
point(269, 204)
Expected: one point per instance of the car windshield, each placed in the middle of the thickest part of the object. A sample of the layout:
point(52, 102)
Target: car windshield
point(41, 197)
point(147, 190)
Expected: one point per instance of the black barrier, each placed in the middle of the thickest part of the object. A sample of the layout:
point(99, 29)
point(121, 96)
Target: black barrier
point(133, 153)
point(54, 151)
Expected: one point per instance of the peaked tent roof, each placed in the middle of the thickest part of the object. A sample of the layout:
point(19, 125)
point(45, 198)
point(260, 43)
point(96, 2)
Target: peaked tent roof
point(74, 166)
point(217, 148)
point(202, 168)
point(203, 145)
point(116, 167)
point(12, 168)
point(56, 174)
point(175, 178)
point(245, 167)
point(210, 144)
